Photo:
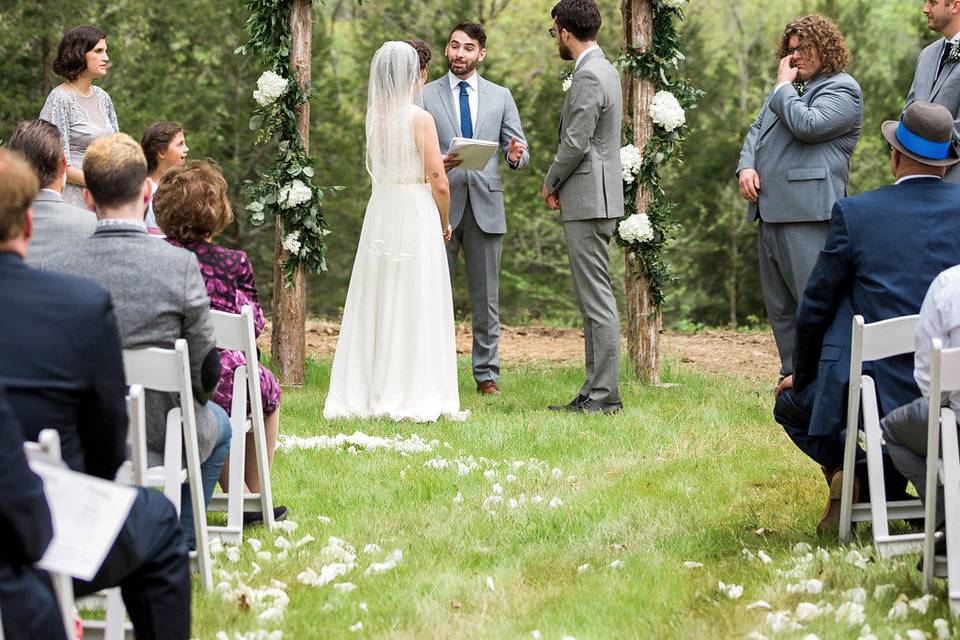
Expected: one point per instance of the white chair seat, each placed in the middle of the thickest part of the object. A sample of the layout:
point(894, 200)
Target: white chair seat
point(157, 475)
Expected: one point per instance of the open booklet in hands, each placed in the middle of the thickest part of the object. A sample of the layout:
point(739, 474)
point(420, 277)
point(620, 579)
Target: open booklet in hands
point(472, 154)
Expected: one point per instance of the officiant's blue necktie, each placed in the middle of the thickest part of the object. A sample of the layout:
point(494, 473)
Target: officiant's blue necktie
point(466, 122)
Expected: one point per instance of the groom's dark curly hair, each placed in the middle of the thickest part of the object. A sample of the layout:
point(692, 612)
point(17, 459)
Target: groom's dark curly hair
point(579, 17)
point(821, 33)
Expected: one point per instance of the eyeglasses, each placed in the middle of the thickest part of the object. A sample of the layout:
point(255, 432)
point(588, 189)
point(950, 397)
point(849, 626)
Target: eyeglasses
point(803, 50)
point(553, 32)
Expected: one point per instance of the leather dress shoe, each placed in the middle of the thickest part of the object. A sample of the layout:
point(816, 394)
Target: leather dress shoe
point(573, 405)
point(256, 517)
point(606, 408)
point(488, 388)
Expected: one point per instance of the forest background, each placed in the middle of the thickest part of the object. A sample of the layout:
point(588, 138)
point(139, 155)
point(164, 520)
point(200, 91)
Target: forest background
point(174, 60)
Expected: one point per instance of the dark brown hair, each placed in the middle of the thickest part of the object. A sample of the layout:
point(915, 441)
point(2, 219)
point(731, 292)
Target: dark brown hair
point(114, 169)
point(579, 17)
point(71, 59)
point(473, 30)
point(18, 188)
point(423, 52)
point(821, 33)
point(191, 202)
point(155, 141)
point(41, 144)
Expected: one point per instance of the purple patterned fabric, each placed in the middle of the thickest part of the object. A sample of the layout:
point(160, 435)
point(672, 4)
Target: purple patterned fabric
point(230, 285)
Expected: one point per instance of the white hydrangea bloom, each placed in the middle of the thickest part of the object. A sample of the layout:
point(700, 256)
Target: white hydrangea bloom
point(636, 228)
point(292, 242)
point(630, 160)
point(665, 110)
point(270, 86)
point(294, 194)
point(567, 83)
point(673, 4)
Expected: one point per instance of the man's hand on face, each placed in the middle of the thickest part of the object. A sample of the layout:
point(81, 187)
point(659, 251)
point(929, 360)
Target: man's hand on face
point(786, 72)
point(749, 185)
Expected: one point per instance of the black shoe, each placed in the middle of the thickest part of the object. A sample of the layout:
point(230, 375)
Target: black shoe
point(606, 408)
point(573, 405)
point(256, 517)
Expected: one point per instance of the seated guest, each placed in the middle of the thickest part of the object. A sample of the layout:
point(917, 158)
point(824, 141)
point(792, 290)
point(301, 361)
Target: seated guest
point(56, 224)
point(905, 428)
point(165, 147)
point(883, 250)
point(158, 294)
point(192, 207)
point(62, 369)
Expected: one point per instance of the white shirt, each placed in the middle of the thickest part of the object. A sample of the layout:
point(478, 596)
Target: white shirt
point(914, 177)
point(939, 318)
point(576, 65)
point(473, 84)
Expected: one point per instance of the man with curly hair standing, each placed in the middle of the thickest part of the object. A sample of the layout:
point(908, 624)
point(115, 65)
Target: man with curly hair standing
point(795, 164)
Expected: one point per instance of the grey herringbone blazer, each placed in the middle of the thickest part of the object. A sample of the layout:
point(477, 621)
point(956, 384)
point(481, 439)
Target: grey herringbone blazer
point(56, 226)
point(945, 90)
point(801, 147)
point(586, 170)
point(497, 121)
point(159, 296)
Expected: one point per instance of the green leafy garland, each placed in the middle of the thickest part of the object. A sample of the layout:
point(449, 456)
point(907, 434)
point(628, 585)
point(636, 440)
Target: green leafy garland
point(660, 64)
point(286, 190)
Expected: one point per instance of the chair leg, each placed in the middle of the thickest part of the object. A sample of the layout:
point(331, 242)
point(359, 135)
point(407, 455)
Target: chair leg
point(238, 421)
point(846, 490)
point(951, 491)
point(116, 616)
point(263, 468)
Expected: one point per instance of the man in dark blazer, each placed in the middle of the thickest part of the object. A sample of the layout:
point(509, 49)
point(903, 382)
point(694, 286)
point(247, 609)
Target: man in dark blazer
point(795, 164)
point(883, 250)
point(62, 368)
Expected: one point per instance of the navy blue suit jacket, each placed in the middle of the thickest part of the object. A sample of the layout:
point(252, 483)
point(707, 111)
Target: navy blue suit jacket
point(883, 250)
point(61, 364)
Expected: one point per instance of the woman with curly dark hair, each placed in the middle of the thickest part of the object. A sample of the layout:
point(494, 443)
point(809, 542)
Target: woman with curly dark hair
point(81, 111)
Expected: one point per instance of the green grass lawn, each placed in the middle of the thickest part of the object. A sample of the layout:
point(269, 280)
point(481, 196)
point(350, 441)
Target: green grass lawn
point(696, 473)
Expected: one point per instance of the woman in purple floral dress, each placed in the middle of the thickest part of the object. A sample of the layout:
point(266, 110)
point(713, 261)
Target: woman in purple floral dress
point(191, 207)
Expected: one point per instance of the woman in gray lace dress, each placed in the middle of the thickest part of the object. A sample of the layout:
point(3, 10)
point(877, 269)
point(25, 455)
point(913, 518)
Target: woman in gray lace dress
point(81, 111)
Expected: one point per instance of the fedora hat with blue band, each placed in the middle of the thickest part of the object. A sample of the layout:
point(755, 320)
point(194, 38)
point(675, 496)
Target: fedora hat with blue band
point(925, 134)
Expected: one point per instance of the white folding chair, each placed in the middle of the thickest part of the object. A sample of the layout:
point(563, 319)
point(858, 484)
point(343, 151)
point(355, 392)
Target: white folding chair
point(114, 626)
point(168, 370)
point(944, 377)
point(869, 343)
point(236, 333)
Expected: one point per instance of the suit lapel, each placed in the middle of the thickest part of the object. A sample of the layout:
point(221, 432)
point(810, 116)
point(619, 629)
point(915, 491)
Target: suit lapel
point(483, 114)
point(446, 98)
point(948, 70)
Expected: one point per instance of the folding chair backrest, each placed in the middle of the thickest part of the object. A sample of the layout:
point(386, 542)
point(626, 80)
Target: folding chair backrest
point(231, 329)
point(949, 369)
point(156, 369)
point(888, 338)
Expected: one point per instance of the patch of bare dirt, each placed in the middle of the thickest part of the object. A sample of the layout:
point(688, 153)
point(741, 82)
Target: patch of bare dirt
point(752, 355)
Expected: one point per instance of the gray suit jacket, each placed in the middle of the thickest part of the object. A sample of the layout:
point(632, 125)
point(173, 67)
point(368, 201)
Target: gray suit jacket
point(801, 147)
point(586, 170)
point(159, 296)
point(497, 120)
point(56, 226)
point(944, 90)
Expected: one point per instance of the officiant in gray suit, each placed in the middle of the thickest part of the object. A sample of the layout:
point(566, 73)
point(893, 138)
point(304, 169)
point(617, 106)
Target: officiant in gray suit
point(465, 105)
point(584, 183)
point(937, 78)
point(795, 163)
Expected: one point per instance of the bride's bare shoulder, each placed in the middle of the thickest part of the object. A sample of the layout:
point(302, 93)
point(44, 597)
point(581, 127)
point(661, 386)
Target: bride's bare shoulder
point(422, 116)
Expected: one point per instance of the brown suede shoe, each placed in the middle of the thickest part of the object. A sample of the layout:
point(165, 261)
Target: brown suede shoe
point(488, 388)
point(830, 521)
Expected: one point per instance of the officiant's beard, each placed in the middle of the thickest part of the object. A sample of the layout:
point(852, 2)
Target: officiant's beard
point(463, 71)
point(565, 53)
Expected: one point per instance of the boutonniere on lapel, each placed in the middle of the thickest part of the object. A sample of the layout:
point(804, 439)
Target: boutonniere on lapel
point(954, 52)
point(566, 79)
point(801, 88)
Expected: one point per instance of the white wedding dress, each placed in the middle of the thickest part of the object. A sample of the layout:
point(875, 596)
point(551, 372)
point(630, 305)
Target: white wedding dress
point(396, 354)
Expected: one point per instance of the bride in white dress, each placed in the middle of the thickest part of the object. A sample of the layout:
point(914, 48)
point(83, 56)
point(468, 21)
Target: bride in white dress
point(396, 356)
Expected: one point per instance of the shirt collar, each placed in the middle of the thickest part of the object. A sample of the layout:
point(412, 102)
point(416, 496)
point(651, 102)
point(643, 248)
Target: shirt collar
point(119, 224)
point(473, 81)
point(576, 65)
point(918, 175)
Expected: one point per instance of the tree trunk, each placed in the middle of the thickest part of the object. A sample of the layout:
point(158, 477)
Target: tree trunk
point(289, 300)
point(643, 316)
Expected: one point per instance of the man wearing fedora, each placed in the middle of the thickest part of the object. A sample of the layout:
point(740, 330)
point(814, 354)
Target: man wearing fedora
point(883, 250)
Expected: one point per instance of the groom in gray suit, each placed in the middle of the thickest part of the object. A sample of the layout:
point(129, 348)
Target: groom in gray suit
point(937, 78)
point(584, 183)
point(795, 164)
point(465, 105)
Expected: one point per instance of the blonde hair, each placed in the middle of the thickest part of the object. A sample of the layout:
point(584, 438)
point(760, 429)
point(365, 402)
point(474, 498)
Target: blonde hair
point(114, 169)
point(18, 187)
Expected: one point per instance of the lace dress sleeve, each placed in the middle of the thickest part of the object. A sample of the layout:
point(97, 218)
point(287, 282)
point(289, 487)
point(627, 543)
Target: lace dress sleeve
point(56, 110)
point(109, 109)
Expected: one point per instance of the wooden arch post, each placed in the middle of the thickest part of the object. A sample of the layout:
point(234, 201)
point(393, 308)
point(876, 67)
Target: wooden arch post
point(289, 299)
point(643, 316)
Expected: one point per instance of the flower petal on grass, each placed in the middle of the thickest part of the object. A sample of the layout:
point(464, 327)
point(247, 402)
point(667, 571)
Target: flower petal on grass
point(920, 605)
point(857, 594)
point(616, 564)
point(555, 502)
point(692, 565)
point(387, 565)
point(898, 611)
point(583, 568)
point(732, 591)
point(356, 627)
point(759, 604)
point(850, 613)
point(943, 628)
point(764, 557)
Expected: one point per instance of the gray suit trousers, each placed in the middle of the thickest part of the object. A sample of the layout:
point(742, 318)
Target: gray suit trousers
point(587, 242)
point(905, 432)
point(481, 253)
point(788, 252)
